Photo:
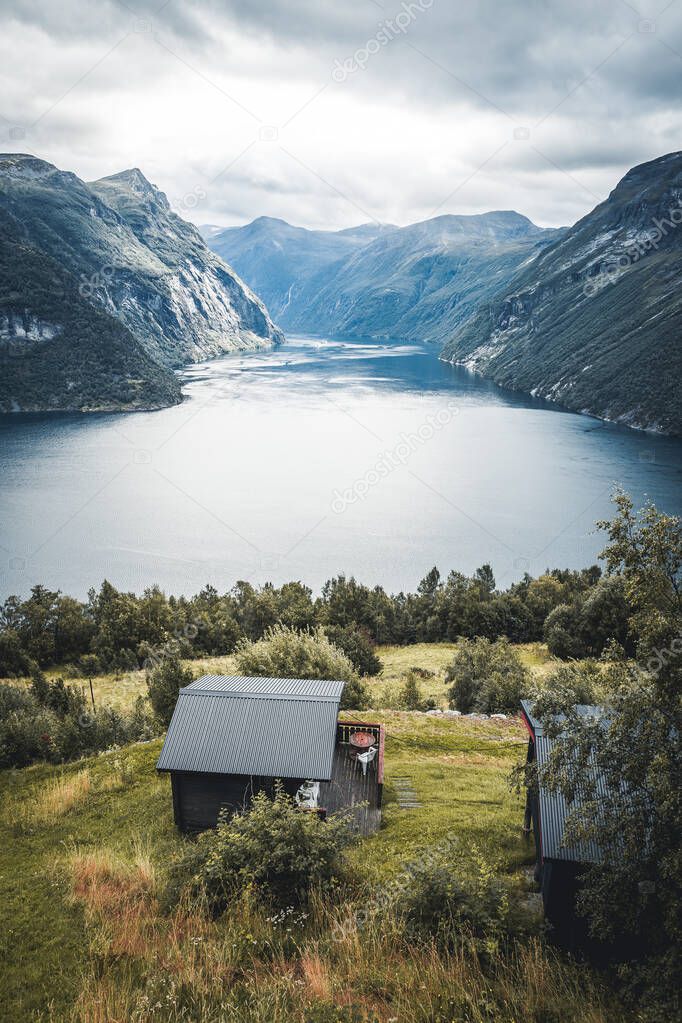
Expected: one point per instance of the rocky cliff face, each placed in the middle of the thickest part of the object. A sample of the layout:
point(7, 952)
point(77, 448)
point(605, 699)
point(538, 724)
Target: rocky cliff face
point(136, 259)
point(199, 307)
point(593, 322)
point(60, 352)
point(114, 247)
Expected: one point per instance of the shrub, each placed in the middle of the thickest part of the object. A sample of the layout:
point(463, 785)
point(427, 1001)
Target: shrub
point(486, 677)
point(582, 682)
point(410, 695)
point(286, 653)
point(275, 849)
point(164, 683)
point(89, 665)
point(59, 727)
point(448, 901)
point(13, 699)
point(357, 645)
point(27, 734)
point(56, 696)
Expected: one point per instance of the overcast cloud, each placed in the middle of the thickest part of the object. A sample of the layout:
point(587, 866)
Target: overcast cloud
point(329, 114)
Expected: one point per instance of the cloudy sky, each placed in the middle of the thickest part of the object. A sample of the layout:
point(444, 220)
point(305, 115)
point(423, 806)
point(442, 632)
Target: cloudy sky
point(329, 114)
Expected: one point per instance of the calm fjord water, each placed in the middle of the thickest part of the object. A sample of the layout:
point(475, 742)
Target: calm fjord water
point(318, 458)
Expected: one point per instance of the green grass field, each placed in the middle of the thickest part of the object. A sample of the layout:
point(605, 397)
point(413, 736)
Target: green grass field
point(121, 689)
point(84, 850)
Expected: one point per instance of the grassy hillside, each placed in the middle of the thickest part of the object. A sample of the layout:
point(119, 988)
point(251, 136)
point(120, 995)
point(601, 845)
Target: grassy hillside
point(121, 689)
point(84, 851)
point(593, 323)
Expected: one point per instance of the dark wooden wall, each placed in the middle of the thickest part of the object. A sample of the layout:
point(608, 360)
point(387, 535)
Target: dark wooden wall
point(198, 798)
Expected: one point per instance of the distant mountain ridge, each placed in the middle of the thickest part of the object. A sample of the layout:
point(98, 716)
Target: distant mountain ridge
point(277, 259)
point(594, 321)
point(124, 251)
point(415, 282)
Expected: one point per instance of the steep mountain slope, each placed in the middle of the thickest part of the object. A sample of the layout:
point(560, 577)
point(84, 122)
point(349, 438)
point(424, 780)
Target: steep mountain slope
point(414, 282)
point(420, 281)
point(594, 322)
point(136, 259)
point(277, 259)
point(59, 352)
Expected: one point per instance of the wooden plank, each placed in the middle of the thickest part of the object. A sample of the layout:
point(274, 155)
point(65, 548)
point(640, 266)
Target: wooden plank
point(350, 790)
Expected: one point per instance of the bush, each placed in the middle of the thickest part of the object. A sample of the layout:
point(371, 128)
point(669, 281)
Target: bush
point(56, 696)
point(582, 682)
point(487, 678)
point(26, 729)
point(449, 901)
point(55, 725)
point(357, 645)
point(410, 696)
point(163, 685)
point(286, 653)
point(275, 849)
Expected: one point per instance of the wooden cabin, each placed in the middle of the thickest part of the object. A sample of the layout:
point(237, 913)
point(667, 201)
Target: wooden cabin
point(558, 867)
point(233, 736)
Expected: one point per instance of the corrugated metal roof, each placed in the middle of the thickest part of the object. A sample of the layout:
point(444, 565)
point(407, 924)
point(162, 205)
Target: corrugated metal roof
point(585, 710)
point(255, 685)
point(553, 808)
point(278, 728)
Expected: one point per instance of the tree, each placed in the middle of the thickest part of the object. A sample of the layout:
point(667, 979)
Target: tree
point(357, 645)
point(562, 632)
point(39, 624)
point(633, 897)
point(594, 619)
point(486, 677)
point(645, 549)
point(410, 693)
point(14, 660)
point(286, 653)
point(485, 580)
point(164, 684)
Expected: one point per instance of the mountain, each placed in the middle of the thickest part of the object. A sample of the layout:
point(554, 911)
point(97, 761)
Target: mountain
point(593, 321)
point(277, 259)
point(415, 282)
point(59, 352)
point(124, 252)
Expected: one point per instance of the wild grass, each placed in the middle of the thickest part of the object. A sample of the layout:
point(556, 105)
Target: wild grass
point(84, 937)
point(244, 967)
point(121, 689)
point(54, 799)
